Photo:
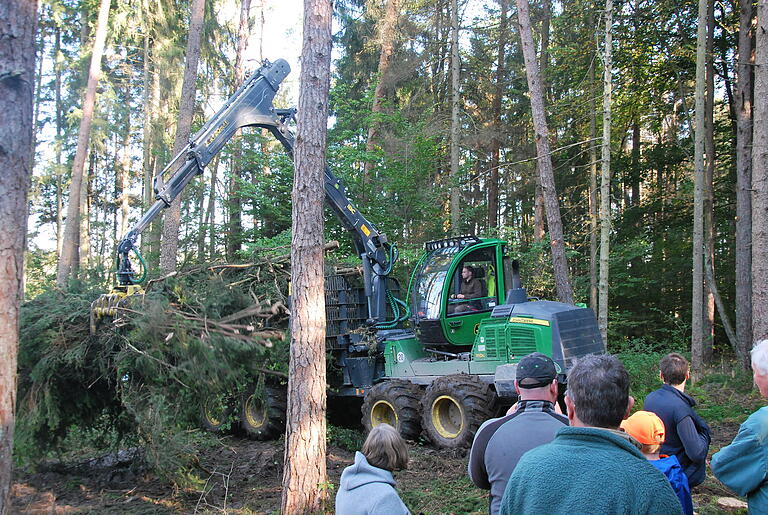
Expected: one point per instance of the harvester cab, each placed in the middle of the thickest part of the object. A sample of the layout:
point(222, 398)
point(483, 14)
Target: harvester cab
point(441, 313)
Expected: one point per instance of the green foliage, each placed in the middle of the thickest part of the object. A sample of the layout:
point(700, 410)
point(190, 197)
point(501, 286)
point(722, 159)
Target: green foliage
point(642, 364)
point(143, 375)
point(349, 439)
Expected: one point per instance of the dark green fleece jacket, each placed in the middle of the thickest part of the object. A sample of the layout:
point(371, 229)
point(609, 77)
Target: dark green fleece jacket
point(587, 470)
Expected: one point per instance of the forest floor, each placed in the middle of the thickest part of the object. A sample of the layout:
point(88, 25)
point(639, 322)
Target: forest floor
point(243, 477)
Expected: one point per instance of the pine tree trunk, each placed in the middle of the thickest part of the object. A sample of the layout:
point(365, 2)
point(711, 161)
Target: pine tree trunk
point(498, 128)
point(235, 201)
point(455, 206)
point(708, 193)
point(554, 222)
point(387, 30)
point(744, 183)
point(605, 177)
point(305, 468)
point(172, 218)
point(699, 176)
point(546, 21)
point(69, 252)
point(760, 180)
point(84, 246)
point(18, 22)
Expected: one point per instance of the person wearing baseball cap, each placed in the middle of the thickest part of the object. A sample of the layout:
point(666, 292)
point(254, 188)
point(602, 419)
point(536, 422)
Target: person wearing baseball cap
point(647, 428)
point(500, 442)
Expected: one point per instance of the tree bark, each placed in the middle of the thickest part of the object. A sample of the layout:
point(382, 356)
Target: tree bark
point(708, 193)
point(172, 218)
point(305, 467)
point(744, 182)
point(84, 233)
point(760, 180)
point(554, 222)
point(18, 22)
point(699, 175)
point(387, 27)
point(605, 177)
point(455, 206)
point(70, 248)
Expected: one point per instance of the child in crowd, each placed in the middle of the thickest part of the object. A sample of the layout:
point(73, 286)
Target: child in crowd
point(648, 429)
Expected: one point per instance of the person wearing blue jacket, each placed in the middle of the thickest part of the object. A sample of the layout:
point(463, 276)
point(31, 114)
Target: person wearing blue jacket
point(687, 434)
point(647, 428)
point(742, 466)
point(367, 486)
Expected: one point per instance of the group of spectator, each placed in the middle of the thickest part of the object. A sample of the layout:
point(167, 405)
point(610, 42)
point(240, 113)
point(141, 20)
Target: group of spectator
point(600, 459)
point(597, 459)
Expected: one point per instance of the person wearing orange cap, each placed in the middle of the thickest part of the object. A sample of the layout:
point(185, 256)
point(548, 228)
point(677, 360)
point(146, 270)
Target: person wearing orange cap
point(647, 428)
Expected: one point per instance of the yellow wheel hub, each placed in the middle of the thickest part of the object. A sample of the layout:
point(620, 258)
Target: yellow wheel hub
point(211, 417)
point(447, 416)
point(383, 412)
point(255, 412)
point(215, 410)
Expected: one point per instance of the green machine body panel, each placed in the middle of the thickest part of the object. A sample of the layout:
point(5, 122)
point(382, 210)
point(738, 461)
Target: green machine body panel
point(399, 354)
point(506, 340)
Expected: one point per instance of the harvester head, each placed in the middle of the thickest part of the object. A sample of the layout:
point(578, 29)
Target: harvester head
point(108, 303)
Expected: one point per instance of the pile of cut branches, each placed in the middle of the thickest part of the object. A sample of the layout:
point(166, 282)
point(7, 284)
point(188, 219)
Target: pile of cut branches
point(143, 374)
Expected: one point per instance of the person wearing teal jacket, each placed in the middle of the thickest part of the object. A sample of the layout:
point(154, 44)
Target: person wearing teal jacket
point(592, 466)
point(742, 466)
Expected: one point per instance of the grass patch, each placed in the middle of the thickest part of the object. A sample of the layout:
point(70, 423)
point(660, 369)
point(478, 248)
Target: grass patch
point(349, 439)
point(446, 496)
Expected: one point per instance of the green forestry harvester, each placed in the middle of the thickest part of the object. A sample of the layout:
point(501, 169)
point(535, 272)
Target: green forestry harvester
point(433, 363)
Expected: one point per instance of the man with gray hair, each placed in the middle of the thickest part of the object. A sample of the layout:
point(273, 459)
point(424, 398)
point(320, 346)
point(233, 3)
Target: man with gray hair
point(591, 466)
point(742, 466)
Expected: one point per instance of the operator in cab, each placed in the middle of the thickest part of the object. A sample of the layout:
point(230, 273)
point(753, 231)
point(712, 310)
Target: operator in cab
point(471, 288)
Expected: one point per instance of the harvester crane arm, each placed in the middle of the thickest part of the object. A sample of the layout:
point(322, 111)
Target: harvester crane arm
point(251, 106)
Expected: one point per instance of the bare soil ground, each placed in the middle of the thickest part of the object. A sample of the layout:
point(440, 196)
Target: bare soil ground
point(243, 477)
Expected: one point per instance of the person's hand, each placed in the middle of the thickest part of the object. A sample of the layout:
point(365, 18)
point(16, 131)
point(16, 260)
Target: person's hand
point(512, 408)
point(558, 409)
point(460, 296)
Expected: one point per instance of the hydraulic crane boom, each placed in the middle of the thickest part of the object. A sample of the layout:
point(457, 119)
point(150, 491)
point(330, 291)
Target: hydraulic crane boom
point(251, 106)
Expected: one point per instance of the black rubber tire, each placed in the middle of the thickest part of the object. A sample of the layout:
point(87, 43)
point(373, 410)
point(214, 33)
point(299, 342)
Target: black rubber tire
point(453, 408)
point(262, 413)
point(397, 403)
point(216, 412)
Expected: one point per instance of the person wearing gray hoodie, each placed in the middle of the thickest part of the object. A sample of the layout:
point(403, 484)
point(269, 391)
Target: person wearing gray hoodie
point(367, 487)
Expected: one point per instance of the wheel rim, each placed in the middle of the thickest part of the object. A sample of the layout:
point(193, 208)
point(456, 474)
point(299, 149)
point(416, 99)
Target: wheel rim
point(215, 411)
point(255, 412)
point(447, 416)
point(383, 412)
